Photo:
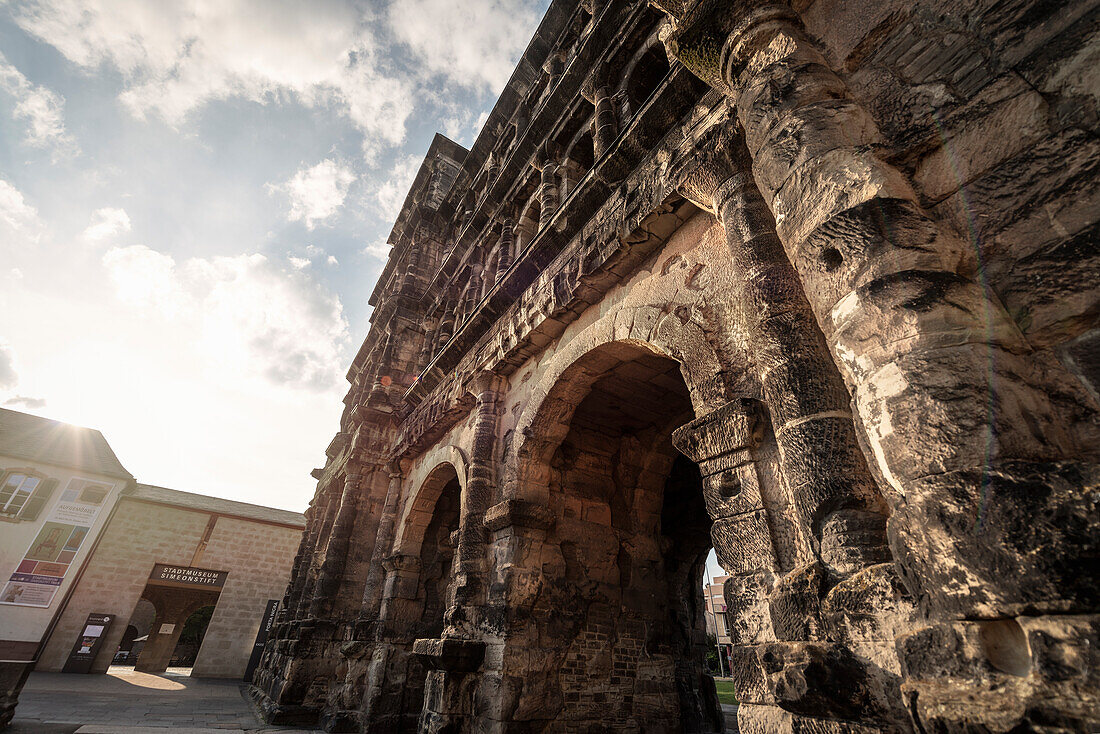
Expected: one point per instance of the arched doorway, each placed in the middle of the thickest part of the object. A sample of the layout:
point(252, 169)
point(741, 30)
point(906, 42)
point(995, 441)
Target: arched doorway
point(194, 629)
point(414, 602)
point(615, 638)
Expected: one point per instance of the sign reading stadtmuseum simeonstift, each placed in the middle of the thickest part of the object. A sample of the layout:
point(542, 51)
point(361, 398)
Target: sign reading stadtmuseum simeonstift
point(187, 576)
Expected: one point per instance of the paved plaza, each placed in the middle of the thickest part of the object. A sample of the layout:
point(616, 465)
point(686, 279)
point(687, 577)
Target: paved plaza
point(126, 702)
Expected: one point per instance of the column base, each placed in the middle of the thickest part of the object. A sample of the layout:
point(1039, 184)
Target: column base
point(278, 714)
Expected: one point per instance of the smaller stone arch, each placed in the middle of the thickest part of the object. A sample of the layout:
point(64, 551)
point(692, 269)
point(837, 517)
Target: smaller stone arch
point(527, 226)
point(642, 75)
point(447, 463)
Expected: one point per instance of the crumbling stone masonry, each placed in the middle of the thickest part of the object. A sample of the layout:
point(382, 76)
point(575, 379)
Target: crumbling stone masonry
point(810, 283)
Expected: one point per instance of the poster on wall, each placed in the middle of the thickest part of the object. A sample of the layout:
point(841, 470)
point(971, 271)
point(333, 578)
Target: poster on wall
point(39, 575)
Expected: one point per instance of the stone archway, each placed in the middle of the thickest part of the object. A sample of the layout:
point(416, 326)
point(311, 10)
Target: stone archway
point(414, 600)
point(173, 607)
point(603, 620)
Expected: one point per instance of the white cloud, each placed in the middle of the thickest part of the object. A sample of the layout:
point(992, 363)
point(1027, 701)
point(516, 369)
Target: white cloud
point(16, 213)
point(42, 109)
point(391, 194)
point(22, 401)
point(106, 224)
point(146, 278)
point(316, 193)
point(331, 260)
point(175, 57)
point(380, 249)
point(487, 38)
point(250, 316)
point(299, 263)
point(9, 378)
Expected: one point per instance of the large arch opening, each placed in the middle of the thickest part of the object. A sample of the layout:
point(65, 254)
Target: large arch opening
point(415, 601)
point(620, 624)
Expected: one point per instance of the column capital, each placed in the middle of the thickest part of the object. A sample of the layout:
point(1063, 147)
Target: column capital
point(714, 38)
point(715, 440)
point(717, 167)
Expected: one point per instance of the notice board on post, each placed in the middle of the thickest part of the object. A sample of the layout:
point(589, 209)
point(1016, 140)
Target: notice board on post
point(88, 642)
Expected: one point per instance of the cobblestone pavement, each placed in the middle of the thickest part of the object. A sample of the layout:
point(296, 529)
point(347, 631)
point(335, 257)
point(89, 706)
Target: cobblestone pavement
point(127, 702)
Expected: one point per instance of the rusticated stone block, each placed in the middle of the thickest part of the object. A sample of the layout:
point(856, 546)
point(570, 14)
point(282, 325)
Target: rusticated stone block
point(743, 543)
point(965, 540)
point(450, 654)
point(795, 603)
point(747, 609)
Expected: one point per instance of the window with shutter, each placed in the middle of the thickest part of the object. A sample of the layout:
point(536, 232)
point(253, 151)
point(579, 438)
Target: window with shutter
point(15, 490)
point(38, 500)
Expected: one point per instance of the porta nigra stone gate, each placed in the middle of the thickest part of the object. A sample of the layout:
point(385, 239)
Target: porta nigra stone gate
point(813, 284)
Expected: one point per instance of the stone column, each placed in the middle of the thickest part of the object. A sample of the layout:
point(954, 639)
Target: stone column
point(793, 658)
point(300, 568)
point(980, 443)
point(320, 535)
point(469, 585)
point(622, 101)
point(492, 169)
point(489, 275)
point(470, 297)
point(447, 326)
point(346, 703)
point(504, 247)
point(427, 349)
point(553, 69)
point(332, 568)
point(837, 498)
point(605, 127)
point(525, 230)
point(548, 192)
point(383, 545)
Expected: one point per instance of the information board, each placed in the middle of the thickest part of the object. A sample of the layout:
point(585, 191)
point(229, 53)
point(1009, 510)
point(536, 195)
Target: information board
point(39, 575)
point(88, 642)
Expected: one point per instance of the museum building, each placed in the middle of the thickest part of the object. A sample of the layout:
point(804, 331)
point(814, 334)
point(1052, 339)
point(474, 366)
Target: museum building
point(97, 566)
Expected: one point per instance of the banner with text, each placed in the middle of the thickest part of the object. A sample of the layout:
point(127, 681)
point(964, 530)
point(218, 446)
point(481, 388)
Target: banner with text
point(39, 575)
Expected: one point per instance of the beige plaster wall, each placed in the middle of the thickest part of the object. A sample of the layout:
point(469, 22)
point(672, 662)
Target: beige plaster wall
point(258, 557)
point(139, 535)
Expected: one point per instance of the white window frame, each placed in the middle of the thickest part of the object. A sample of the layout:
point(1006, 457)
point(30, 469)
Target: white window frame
point(27, 475)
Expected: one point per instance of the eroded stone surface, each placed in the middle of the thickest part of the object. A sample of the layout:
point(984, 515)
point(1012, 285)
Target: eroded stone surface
point(810, 284)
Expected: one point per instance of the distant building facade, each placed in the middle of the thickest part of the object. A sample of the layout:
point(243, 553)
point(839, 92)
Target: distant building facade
point(92, 560)
point(717, 624)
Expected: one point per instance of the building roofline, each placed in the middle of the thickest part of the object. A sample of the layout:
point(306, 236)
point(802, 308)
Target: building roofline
point(71, 440)
point(214, 505)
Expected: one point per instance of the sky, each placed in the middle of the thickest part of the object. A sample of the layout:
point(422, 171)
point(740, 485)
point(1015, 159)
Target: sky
point(194, 202)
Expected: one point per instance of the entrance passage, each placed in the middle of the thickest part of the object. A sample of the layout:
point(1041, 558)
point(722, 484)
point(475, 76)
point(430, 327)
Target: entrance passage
point(626, 623)
point(436, 561)
point(194, 629)
point(176, 594)
point(415, 600)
